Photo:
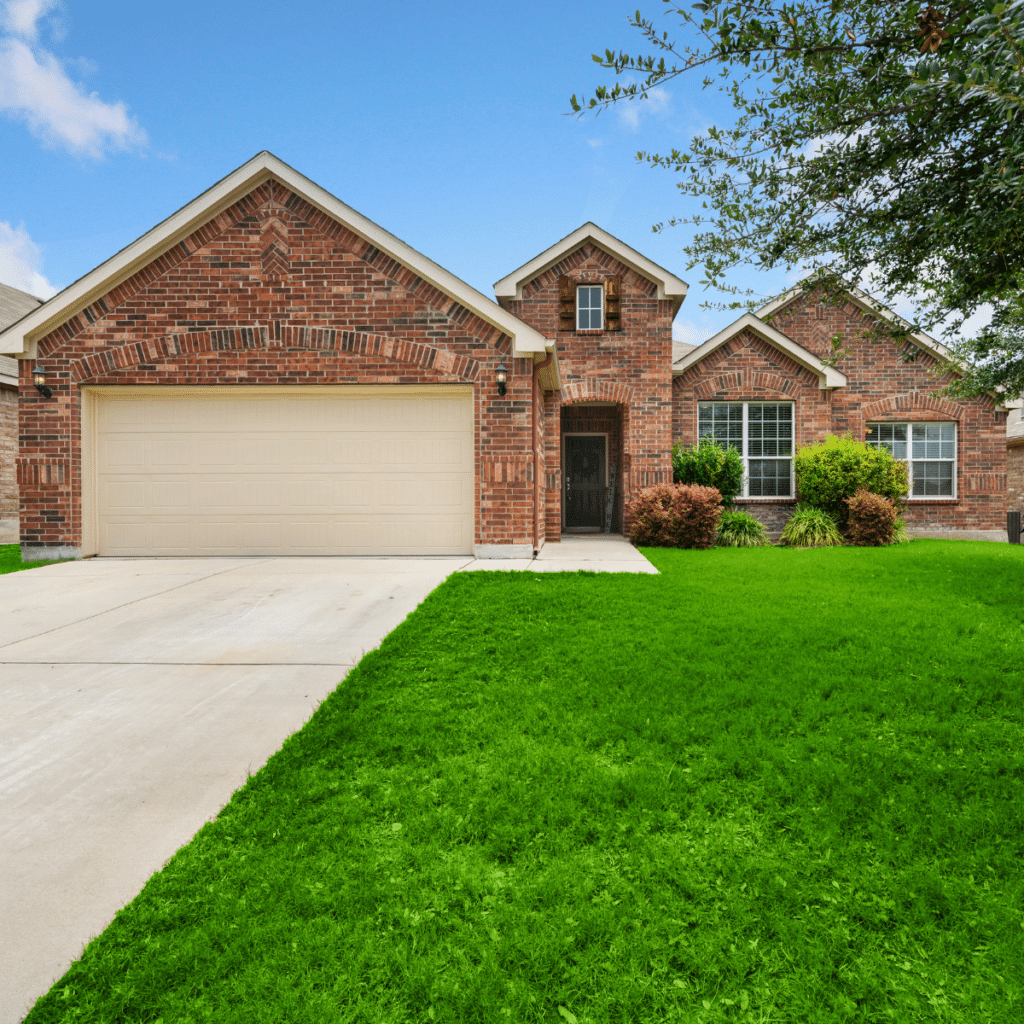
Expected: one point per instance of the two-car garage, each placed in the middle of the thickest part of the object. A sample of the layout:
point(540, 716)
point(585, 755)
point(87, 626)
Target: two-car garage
point(278, 470)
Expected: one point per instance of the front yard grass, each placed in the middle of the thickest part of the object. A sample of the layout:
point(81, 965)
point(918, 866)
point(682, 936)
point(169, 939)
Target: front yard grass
point(766, 785)
point(10, 559)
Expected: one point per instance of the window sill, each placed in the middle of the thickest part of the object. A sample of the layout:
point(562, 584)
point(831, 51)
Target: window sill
point(933, 501)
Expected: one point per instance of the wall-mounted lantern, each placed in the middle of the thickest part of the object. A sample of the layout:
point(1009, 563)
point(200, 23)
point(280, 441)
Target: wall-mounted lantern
point(501, 376)
point(39, 379)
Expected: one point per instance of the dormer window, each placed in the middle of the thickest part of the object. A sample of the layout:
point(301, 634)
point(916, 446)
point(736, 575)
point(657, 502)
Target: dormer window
point(590, 307)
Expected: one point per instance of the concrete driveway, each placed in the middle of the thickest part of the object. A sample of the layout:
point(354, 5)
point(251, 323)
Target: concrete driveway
point(136, 696)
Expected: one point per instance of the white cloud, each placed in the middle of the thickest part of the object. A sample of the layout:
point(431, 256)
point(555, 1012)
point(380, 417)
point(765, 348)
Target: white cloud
point(35, 88)
point(692, 333)
point(595, 143)
point(20, 261)
point(20, 16)
point(658, 103)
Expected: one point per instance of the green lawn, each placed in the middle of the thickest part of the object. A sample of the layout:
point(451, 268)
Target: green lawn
point(765, 786)
point(10, 559)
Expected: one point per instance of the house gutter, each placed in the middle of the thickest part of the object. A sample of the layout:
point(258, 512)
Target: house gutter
point(537, 367)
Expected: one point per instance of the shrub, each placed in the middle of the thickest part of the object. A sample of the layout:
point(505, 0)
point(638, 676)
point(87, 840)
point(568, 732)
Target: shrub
point(709, 465)
point(676, 516)
point(899, 533)
point(810, 527)
point(834, 470)
point(872, 521)
point(740, 530)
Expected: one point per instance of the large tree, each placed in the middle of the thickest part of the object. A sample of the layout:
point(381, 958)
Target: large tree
point(881, 142)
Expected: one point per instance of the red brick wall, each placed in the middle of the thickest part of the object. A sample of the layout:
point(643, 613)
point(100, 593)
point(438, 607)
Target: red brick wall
point(880, 387)
point(631, 367)
point(272, 291)
point(8, 453)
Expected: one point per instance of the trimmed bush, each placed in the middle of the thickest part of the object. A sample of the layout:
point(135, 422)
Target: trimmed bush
point(810, 527)
point(709, 465)
point(872, 519)
point(899, 533)
point(740, 530)
point(834, 470)
point(676, 516)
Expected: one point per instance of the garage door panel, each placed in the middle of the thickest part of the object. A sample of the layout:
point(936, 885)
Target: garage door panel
point(386, 472)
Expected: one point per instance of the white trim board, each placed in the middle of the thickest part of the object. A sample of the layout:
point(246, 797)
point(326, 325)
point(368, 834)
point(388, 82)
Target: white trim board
point(20, 338)
point(828, 377)
point(670, 287)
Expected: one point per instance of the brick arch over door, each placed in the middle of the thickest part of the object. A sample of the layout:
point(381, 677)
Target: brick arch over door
point(595, 389)
point(278, 337)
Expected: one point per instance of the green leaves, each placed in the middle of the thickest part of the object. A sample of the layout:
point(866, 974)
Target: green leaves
point(868, 136)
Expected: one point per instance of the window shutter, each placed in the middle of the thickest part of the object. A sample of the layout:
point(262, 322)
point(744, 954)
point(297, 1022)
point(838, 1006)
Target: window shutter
point(566, 304)
point(612, 287)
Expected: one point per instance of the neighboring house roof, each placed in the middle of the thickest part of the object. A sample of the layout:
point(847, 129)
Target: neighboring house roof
point(22, 337)
point(14, 304)
point(680, 349)
point(828, 377)
point(1015, 425)
point(669, 286)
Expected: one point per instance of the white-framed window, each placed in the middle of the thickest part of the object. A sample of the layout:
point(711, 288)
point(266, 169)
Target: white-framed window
point(928, 449)
point(590, 307)
point(762, 432)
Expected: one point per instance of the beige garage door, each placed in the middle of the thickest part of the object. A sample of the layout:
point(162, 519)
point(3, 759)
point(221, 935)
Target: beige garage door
point(384, 470)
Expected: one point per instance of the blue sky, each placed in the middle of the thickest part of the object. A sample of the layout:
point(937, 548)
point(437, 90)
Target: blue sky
point(443, 122)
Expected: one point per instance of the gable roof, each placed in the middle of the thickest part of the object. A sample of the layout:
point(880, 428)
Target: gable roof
point(828, 377)
point(669, 286)
point(21, 337)
point(14, 304)
point(861, 299)
point(865, 302)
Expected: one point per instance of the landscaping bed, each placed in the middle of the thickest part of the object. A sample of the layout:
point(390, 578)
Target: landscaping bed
point(765, 785)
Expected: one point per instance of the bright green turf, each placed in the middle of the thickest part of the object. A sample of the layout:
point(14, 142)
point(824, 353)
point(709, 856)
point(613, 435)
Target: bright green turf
point(766, 785)
point(10, 559)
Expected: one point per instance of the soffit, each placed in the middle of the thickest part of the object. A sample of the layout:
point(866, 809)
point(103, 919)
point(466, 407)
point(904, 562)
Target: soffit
point(669, 286)
point(19, 339)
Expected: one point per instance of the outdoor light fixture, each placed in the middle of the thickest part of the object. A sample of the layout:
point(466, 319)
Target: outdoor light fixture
point(501, 375)
point(39, 379)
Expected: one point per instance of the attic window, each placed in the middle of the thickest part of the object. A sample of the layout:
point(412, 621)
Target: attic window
point(590, 307)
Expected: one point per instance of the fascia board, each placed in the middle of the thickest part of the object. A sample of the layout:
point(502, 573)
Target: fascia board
point(19, 338)
point(669, 286)
point(828, 377)
point(865, 302)
point(868, 305)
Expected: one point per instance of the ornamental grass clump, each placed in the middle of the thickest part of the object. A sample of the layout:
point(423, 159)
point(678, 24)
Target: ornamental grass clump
point(872, 520)
point(740, 530)
point(834, 470)
point(676, 516)
point(810, 527)
point(709, 464)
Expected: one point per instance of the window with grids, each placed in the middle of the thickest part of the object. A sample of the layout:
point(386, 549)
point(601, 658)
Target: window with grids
point(762, 432)
point(928, 449)
point(589, 307)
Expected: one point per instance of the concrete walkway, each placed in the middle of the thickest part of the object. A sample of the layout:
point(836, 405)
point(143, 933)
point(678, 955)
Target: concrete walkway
point(594, 552)
point(137, 696)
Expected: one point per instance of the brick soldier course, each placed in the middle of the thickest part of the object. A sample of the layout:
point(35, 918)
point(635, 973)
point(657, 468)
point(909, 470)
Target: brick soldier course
point(268, 280)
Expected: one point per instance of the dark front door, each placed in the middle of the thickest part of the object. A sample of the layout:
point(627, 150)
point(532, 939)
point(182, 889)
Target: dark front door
point(583, 468)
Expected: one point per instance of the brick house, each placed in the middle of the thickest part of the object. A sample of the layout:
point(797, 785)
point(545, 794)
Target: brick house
point(14, 304)
point(269, 372)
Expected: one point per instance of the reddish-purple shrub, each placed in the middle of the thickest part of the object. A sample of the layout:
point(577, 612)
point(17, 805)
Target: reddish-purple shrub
point(872, 519)
point(676, 516)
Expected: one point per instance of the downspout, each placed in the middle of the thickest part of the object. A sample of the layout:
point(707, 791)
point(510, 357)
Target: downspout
point(537, 367)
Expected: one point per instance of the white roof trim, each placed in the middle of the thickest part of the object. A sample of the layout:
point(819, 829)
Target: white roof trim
point(828, 377)
point(868, 304)
point(859, 297)
point(669, 286)
point(19, 339)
